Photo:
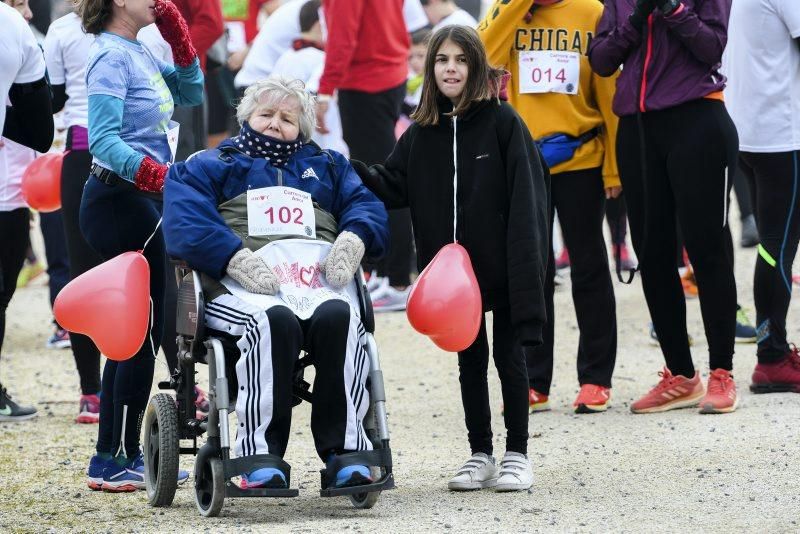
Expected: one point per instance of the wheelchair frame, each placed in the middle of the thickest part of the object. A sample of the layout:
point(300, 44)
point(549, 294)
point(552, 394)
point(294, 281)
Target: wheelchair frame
point(169, 420)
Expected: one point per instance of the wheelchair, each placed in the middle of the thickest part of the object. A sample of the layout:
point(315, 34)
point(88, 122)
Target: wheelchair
point(170, 420)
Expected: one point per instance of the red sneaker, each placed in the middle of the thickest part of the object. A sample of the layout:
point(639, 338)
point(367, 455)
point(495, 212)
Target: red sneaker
point(783, 376)
point(689, 284)
point(670, 393)
point(89, 410)
point(537, 402)
point(721, 395)
point(592, 399)
point(562, 262)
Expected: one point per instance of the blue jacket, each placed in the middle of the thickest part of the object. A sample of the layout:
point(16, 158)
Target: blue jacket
point(195, 231)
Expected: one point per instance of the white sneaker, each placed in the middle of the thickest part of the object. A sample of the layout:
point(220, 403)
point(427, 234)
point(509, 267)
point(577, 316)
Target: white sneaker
point(378, 288)
point(389, 298)
point(374, 281)
point(515, 473)
point(478, 472)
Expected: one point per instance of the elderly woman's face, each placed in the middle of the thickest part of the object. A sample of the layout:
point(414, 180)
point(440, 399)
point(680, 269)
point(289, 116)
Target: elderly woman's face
point(281, 121)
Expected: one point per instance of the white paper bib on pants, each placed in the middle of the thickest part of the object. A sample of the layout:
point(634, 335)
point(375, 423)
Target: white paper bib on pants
point(296, 262)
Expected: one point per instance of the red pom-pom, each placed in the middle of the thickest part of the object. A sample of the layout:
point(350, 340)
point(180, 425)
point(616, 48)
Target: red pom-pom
point(150, 176)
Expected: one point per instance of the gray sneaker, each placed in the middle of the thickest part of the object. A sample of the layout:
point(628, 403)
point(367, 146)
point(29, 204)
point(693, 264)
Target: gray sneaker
point(515, 473)
point(749, 232)
point(478, 472)
point(11, 411)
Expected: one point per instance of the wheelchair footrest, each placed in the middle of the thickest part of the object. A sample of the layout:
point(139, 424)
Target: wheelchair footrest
point(232, 490)
point(386, 483)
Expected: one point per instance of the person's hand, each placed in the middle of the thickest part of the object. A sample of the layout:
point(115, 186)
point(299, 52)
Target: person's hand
point(150, 176)
point(668, 7)
point(175, 32)
point(341, 263)
point(236, 59)
point(640, 13)
point(613, 192)
point(321, 109)
point(252, 273)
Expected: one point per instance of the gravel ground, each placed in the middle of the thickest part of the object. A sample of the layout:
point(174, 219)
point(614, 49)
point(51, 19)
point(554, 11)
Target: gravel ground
point(678, 471)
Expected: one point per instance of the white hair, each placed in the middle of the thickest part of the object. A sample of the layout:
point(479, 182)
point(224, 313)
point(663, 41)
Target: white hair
point(272, 92)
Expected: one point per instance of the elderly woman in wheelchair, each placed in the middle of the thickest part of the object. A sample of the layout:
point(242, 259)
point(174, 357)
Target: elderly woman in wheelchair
point(277, 227)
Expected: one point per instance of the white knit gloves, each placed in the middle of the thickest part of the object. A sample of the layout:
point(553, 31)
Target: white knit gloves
point(341, 263)
point(252, 273)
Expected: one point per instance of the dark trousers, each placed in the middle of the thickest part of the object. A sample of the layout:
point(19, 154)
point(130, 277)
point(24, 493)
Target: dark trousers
point(775, 183)
point(82, 257)
point(579, 198)
point(509, 359)
point(368, 121)
point(688, 150)
point(617, 219)
point(15, 228)
point(116, 220)
point(55, 249)
point(742, 189)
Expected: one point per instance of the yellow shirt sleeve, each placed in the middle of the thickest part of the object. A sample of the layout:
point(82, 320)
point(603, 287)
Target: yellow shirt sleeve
point(604, 94)
point(496, 30)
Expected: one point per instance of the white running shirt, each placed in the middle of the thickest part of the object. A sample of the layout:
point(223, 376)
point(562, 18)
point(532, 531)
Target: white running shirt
point(762, 63)
point(459, 17)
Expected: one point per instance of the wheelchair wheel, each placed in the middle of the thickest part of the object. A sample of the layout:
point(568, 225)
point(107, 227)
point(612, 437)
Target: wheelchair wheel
point(366, 501)
point(209, 486)
point(161, 449)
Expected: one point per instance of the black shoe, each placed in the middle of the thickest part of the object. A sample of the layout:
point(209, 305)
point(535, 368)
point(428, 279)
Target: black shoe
point(11, 411)
point(749, 232)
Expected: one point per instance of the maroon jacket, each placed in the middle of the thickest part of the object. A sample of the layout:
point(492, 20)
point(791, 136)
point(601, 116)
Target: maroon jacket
point(681, 54)
point(204, 18)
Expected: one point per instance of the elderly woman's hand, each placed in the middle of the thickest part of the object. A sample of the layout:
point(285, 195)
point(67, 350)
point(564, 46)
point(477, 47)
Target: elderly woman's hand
point(342, 261)
point(252, 273)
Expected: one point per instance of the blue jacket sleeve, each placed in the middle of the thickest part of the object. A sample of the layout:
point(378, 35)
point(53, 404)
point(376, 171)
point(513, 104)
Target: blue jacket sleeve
point(358, 210)
point(105, 143)
point(185, 83)
point(194, 230)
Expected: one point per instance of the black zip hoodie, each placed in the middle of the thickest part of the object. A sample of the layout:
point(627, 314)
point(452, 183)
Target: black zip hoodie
point(503, 202)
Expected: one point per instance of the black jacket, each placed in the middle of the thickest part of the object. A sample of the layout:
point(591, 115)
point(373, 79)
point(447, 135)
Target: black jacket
point(503, 202)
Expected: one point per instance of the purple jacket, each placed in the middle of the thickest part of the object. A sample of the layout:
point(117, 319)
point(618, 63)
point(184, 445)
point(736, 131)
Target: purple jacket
point(682, 54)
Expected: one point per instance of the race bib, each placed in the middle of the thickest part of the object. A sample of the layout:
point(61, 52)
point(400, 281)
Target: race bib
point(297, 264)
point(280, 211)
point(549, 71)
point(172, 140)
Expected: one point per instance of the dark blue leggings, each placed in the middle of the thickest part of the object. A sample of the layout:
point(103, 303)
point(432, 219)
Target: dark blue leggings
point(115, 220)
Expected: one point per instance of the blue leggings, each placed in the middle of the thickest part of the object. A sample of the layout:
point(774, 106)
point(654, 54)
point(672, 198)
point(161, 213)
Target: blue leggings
point(115, 220)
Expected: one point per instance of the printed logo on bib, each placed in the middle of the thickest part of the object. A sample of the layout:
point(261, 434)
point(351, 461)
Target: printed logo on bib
point(280, 211)
point(549, 71)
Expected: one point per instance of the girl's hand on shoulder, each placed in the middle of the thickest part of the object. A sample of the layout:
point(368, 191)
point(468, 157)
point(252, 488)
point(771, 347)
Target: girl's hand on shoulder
point(613, 192)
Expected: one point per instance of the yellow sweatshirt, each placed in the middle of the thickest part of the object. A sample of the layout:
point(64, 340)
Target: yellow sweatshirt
point(567, 26)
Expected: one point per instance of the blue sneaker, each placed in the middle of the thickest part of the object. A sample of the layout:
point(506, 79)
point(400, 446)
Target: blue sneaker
point(95, 472)
point(131, 477)
point(266, 477)
point(352, 475)
point(745, 331)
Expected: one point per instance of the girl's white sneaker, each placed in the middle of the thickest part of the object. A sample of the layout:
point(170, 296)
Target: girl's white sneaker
point(478, 472)
point(515, 473)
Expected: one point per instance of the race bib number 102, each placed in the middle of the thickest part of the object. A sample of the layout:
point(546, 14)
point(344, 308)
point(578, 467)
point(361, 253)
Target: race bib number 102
point(549, 71)
point(280, 211)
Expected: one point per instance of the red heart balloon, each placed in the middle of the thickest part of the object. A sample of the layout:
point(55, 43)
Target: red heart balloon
point(41, 182)
point(109, 303)
point(445, 301)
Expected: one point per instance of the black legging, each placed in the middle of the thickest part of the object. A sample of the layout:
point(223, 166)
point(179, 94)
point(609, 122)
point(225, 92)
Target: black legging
point(82, 257)
point(775, 184)
point(116, 220)
point(687, 149)
point(15, 228)
point(509, 359)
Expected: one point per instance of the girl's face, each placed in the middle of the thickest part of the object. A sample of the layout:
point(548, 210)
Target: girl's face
point(281, 121)
point(23, 8)
point(416, 58)
point(450, 70)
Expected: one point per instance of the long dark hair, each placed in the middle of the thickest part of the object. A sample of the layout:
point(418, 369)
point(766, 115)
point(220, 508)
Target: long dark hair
point(483, 81)
point(94, 14)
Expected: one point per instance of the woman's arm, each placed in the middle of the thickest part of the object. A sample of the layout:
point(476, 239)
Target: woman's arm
point(29, 120)
point(105, 143)
point(497, 29)
point(185, 83)
point(613, 42)
point(703, 30)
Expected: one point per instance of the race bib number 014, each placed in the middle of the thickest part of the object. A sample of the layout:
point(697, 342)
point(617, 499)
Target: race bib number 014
point(549, 71)
point(280, 211)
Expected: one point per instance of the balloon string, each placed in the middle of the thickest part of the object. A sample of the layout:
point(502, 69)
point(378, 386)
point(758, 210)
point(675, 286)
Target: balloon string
point(150, 330)
point(455, 179)
point(152, 235)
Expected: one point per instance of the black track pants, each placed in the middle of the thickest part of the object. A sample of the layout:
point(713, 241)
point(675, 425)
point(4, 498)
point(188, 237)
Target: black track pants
point(15, 229)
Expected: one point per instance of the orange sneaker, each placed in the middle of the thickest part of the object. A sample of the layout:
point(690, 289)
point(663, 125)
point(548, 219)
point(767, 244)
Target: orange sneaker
point(537, 402)
point(721, 395)
point(672, 392)
point(592, 399)
point(689, 284)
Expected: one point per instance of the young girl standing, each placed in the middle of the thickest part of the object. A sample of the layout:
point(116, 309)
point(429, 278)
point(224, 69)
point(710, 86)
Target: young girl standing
point(469, 170)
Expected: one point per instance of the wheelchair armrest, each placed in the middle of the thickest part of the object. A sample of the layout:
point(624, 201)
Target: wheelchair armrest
point(365, 302)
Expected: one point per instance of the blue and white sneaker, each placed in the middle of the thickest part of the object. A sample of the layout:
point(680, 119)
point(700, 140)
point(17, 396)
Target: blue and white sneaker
point(131, 477)
point(95, 472)
point(266, 477)
point(352, 475)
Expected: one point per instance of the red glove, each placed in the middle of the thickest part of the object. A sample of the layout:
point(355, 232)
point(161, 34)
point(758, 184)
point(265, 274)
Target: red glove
point(175, 32)
point(150, 176)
